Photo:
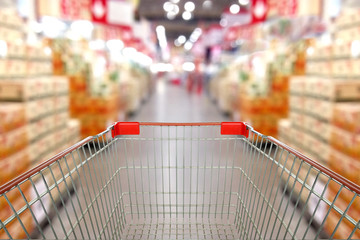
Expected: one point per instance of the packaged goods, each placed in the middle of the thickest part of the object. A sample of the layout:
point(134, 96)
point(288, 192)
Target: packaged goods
point(60, 84)
point(297, 85)
point(13, 141)
point(12, 116)
point(13, 165)
point(345, 165)
point(347, 116)
point(346, 142)
point(18, 90)
point(344, 90)
point(297, 102)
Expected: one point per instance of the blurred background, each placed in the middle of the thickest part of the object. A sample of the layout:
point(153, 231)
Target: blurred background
point(289, 68)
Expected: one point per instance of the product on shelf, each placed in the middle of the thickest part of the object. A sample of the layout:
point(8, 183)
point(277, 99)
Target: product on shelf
point(347, 116)
point(12, 116)
point(346, 142)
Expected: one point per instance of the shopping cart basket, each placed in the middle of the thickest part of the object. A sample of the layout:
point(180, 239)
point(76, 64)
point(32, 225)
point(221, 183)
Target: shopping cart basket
point(179, 181)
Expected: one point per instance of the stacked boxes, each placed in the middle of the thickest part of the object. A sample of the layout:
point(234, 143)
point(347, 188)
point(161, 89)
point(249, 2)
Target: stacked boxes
point(263, 113)
point(95, 113)
point(34, 113)
point(324, 120)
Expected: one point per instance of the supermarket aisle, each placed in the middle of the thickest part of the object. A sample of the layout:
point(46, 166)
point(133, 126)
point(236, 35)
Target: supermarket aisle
point(170, 103)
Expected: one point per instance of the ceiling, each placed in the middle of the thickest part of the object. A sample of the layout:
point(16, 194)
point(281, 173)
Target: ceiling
point(203, 15)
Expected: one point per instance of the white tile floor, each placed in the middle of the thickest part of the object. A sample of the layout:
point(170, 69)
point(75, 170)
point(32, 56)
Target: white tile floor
point(170, 103)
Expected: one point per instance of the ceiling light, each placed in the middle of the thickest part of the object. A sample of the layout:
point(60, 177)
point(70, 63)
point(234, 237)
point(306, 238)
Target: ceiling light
point(175, 1)
point(207, 4)
point(175, 9)
point(177, 43)
point(223, 22)
point(160, 28)
point(244, 2)
point(168, 6)
point(186, 15)
point(171, 15)
point(188, 45)
point(234, 9)
point(181, 39)
point(189, 6)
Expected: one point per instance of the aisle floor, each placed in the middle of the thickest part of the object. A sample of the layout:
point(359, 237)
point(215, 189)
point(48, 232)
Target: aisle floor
point(170, 103)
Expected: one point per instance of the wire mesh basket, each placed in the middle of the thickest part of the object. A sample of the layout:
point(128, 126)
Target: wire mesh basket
point(179, 181)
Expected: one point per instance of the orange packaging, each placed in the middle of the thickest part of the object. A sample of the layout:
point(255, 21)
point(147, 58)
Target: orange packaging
point(346, 142)
point(77, 83)
point(16, 229)
point(13, 141)
point(347, 116)
point(12, 116)
point(344, 229)
point(13, 165)
point(345, 165)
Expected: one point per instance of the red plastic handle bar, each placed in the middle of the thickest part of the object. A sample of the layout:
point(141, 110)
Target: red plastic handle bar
point(133, 128)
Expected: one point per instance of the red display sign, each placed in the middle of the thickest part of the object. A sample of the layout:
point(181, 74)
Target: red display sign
point(98, 10)
point(259, 10)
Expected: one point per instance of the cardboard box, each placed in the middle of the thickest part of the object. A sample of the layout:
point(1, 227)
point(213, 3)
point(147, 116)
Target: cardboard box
point(322, 109)
point(344, 90)
point(346, 142)
point(345, 165)
point(347, 116)
point(60, 84)
point(13, 165)
point(18, 90)
point(12, 116)
point(13, 141)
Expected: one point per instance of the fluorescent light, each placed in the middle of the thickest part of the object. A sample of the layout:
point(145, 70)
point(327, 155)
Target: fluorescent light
point(160, 28)
point(188, 45)
point(168, 6)
point(195, 35)
point(244, 2)
point(171, 15)
point(160, 31)
point(175, 9)
point(223, 22)
point(189, 6)
point(186, 15)
point(177, 43)
point(207, 4)
point(234, 9)
point(188, 66)
point(181, 39)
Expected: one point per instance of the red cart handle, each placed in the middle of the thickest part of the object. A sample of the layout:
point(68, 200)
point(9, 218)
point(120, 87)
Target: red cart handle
point(133, 128)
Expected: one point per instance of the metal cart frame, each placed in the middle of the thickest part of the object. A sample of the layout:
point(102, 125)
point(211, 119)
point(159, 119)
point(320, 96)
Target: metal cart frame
point(179, 181)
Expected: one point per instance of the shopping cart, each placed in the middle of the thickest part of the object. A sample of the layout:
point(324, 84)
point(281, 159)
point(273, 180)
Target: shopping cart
point(179, 181)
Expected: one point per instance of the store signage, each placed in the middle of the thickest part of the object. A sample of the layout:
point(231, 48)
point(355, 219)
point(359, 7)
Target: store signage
point(283, 8)
point(259, 9)
point(112, 12)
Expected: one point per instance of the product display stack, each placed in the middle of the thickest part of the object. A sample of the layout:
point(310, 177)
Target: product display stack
point(35, 124)
point(324, 122)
